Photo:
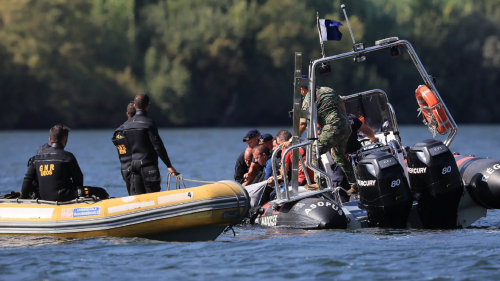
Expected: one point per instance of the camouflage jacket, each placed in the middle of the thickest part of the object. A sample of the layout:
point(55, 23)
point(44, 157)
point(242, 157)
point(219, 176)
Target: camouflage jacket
point(329, 107)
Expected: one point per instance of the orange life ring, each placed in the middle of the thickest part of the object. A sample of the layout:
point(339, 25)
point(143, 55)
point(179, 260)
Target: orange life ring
point(426, 98)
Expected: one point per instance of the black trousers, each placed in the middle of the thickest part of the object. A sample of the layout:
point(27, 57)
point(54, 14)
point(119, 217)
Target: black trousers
point(126, 174)
point(148, 180)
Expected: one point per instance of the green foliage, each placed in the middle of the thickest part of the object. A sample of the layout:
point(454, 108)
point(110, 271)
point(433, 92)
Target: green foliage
point(230, 62)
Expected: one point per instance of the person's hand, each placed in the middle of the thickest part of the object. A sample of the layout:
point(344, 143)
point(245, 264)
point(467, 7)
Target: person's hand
point(173, 171)
point(245, 176)
point(286, 145)
point(374, 139)
point(270, 180)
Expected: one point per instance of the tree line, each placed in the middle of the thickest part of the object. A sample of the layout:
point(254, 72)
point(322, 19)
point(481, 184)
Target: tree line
point(230, 62)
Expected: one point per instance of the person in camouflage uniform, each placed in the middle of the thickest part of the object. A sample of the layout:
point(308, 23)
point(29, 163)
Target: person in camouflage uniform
point(335, 129)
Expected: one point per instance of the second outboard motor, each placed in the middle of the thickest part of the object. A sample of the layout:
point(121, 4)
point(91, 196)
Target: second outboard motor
point(435, 183)
point(384, 190)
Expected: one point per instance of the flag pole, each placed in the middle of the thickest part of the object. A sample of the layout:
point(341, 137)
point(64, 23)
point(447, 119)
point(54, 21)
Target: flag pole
point(324, 67)
point(320, 36)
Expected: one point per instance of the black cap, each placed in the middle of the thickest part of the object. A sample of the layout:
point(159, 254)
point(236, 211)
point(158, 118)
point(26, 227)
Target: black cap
point(250, 135)
point(265, 138)
point(304, 84)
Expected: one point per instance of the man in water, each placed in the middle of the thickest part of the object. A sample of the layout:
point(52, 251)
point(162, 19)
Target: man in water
point(146, 146)
point(335, 128)
point(123, 147)
point(58, 173)
point(242, 165)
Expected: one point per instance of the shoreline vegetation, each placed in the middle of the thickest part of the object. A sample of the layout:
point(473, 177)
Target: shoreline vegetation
point(230, 62)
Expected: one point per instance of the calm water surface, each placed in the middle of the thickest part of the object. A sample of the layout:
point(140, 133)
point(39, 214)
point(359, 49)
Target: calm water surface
point(255, 252)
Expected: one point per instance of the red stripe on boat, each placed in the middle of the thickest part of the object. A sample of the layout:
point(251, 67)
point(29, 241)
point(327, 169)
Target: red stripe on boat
point(461, 161)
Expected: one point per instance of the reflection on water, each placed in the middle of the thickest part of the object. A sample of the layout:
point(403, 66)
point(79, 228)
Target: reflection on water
point(32, 241)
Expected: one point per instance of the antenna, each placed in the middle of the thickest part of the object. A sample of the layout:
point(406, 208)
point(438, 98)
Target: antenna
point(348, 24)
point(356, 47)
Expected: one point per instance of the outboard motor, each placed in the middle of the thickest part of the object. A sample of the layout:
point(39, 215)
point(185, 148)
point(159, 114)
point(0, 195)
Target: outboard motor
point(384, 190)
point(435, 183)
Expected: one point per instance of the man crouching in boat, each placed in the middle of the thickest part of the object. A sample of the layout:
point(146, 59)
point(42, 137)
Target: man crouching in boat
point(146, 146)
point(58, 173)
point(262, 155)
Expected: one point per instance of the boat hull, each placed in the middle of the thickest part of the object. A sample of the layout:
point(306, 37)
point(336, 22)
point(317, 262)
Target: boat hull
point(308, 213)
point(194, 214)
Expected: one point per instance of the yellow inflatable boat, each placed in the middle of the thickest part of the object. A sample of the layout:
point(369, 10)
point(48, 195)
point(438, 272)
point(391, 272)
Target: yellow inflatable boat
point(191, 214)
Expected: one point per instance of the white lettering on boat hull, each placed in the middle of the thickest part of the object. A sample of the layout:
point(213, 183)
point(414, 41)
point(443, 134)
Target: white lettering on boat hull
point(268, 220)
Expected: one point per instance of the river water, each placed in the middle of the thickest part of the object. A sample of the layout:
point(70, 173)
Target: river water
point(255, 252)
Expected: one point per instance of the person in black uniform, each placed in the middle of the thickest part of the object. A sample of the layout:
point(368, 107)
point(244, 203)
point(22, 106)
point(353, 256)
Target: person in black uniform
point(353, 145)
point(123, 148)
point(29, 189)
point(242, 165)
point(146, 146)
point(58, 173)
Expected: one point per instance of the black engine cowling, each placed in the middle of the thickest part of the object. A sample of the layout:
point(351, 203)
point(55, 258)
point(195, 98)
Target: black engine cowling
point(384, 190)
point(435, 183)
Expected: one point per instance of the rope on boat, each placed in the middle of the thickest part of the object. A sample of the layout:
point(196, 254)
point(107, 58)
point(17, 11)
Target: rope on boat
point(179, 179)
point(57, 203)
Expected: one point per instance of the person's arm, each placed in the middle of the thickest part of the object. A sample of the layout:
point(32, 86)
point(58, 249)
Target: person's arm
point(160, 149)
point(28, 180)
point(269, 169)
point(302, 127)
point(76, 172)
point(252, 172)
point(367, 131)
point(239, 171)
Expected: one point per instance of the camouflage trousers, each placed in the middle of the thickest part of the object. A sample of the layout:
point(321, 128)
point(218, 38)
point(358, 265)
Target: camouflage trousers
point(334, 137)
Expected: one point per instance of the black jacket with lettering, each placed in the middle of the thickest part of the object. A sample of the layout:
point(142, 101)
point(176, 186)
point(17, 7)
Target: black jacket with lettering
point(145, 142)
point(122, 146)
point(58, 174)
point(30, 182)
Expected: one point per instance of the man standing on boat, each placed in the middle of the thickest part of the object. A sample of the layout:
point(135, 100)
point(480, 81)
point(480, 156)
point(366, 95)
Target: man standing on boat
point(123, 148)
point(335, 129)
point(146, 146)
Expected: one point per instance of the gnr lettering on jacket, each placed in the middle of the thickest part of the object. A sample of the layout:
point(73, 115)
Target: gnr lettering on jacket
point(46, 170)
